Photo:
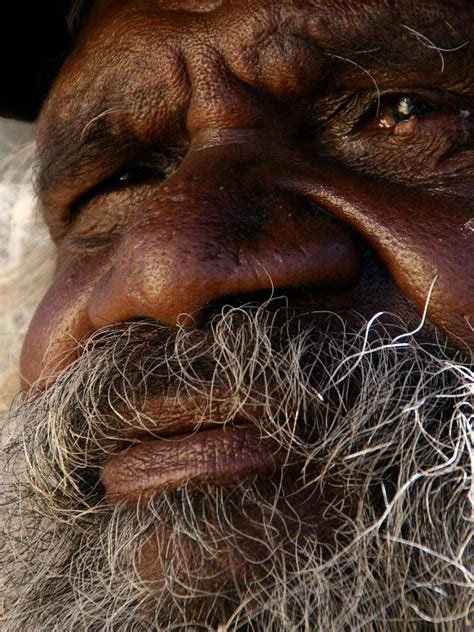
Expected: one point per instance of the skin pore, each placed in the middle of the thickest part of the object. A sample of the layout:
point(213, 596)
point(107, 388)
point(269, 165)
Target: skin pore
point(263, 217)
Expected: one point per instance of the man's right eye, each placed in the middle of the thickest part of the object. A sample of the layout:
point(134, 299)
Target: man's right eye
point(152, 167)
point(133, 174)
point(136, 175)
point(127, 176)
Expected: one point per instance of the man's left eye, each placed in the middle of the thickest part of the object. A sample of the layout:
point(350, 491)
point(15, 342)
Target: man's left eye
point(395, 110)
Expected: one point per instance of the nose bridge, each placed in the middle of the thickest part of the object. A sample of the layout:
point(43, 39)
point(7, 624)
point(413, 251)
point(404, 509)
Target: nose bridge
point(210, 232)
point(220, 100)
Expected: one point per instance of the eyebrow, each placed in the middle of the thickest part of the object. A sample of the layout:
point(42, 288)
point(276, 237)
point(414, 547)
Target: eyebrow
point(73, 151)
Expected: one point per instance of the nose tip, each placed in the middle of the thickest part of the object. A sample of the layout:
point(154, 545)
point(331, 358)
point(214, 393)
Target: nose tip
point(190, 248)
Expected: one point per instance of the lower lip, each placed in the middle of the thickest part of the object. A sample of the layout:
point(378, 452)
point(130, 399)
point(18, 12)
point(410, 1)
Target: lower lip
point(219, 456)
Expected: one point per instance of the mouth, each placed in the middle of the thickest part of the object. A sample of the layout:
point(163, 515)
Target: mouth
point(187, 446)
point(220, 456)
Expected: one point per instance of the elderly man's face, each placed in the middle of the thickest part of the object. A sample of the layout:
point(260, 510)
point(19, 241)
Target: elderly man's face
point(254, 204)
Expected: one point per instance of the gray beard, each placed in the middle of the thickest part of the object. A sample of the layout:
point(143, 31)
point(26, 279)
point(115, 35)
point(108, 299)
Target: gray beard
point(381, 426)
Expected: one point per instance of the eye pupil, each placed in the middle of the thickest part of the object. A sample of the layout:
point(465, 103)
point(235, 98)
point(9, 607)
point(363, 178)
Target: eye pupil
point(154, 166)
point(137, 173)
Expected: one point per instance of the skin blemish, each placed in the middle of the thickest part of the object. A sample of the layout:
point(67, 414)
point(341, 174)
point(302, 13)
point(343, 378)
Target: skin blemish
point(405, 128)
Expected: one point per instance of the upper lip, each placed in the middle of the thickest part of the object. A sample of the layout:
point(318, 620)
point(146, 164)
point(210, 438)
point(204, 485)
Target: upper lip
point(165, 416)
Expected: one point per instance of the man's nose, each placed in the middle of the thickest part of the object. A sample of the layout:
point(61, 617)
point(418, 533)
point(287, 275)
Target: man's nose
point(210, 233)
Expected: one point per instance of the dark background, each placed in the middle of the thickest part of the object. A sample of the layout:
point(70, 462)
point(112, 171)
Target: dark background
point(34, 42)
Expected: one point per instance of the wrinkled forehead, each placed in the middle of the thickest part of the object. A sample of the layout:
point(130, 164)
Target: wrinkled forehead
point(350, 16)
point(278, 37)
point(203, 6)
point(258, 32)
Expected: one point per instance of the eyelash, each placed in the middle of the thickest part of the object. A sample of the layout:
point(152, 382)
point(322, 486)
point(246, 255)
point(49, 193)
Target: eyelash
point(134, 173)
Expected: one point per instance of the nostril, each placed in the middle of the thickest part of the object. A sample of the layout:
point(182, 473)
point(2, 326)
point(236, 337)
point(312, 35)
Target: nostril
point(251, 300)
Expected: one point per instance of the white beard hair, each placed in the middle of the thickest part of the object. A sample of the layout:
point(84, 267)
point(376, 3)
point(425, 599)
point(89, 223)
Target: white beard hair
point(406, 566)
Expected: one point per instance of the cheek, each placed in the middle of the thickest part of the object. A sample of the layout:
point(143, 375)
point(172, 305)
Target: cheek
point(419, 236)
point(61, 320)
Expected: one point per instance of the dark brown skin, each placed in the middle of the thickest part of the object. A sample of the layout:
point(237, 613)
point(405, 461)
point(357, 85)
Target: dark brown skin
point(284, 175)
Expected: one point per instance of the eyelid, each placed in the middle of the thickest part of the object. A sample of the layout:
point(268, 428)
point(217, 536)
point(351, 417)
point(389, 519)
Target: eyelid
point(159, 163)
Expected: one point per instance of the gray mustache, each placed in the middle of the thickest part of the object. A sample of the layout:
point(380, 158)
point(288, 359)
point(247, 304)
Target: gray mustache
point(322, 393)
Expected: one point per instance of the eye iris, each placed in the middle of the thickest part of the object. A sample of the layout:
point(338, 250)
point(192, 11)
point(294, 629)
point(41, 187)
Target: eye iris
point(402, 110)
point(406, 108)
